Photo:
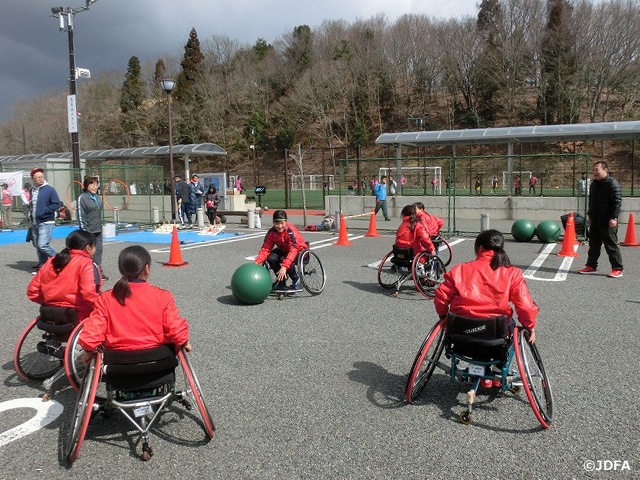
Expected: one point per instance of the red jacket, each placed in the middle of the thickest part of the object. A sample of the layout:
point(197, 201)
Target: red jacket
point(432, 223)
point(76, 286)
point(419, 239)
point(148, 318)
point(289, 241)
point(474, 290)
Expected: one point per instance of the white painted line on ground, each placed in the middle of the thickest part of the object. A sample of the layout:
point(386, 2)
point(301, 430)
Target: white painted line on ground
point(190, 246)
point(315, 245)
point(46, 412)
point(561, 274)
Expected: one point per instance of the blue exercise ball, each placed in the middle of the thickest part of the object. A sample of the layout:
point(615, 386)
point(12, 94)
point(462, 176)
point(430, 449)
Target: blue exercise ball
point(251, 283)
point(523, 230)
point(548, 231)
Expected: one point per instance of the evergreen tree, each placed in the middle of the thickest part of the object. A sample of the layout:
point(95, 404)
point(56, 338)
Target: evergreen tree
point(189, 99)
point(489, 69)
point(559, 66)
point(132, 96)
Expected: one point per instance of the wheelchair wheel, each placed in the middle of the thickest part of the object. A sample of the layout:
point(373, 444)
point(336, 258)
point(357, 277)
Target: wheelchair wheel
point(195, 392)
point(37, 355)
point(83, 409)
point(444, 250)
point(534, 377)
point(312, 274)
point(388, 273)
point(425, 362)
point(428, 273)
point(73, 366)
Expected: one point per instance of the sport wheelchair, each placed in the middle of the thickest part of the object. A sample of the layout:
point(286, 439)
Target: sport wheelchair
point(39, 352)
point(400, 264)
point(313, 277)
point(482, 351)
point(139, 384)
point(443, 249)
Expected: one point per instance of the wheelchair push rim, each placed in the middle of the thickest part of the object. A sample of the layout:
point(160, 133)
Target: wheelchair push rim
point(388, 272)
point(534, 377)
point(30, 363)
point(312, 274)
point(444, 250)
point(428, 273)
point(425, 362)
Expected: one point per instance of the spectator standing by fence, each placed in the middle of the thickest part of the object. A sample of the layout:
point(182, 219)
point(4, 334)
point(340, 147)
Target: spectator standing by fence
point(25, 196)
point(90, 216)
point(44, 205)
point(7, 204)
point(380, 191)
point(517, 186)
point(532, 184)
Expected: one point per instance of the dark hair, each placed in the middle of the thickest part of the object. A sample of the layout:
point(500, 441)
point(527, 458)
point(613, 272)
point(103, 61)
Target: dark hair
point(131, 263)
point(76, 240)
point(212, 187)
point(88, 181)
point(410, 211)
point(419, 205)
point(27, 185)
point(279, 215)
point(493, 240)
point(602, 163)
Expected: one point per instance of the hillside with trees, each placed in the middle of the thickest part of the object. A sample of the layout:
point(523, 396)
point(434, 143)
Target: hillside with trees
point(339, 85)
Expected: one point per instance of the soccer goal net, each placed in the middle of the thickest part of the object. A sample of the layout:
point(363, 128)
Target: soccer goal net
point(413, 175)
point(312, 182)
point(525, 176)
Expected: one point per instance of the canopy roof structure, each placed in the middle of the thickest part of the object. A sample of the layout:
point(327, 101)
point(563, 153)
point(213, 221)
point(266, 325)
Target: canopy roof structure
point(526, 134)
point(195, 149)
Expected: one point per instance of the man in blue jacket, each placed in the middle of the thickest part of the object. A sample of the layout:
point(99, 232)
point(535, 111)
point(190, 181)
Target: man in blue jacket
point(42, 209)
point(380, 191)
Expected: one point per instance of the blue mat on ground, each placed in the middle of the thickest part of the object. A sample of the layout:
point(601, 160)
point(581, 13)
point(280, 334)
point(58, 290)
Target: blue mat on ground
point(132, 235)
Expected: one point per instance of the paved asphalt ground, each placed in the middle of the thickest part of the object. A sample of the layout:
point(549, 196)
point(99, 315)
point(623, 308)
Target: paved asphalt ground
point(312, 387)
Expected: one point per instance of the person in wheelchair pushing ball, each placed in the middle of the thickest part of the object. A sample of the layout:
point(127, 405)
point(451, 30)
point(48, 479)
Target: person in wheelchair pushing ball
point(280, 250)
point(134, 315)
point(485, 287)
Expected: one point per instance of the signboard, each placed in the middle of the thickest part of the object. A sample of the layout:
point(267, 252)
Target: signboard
point(72, 112)
point(14, 180)
point(261, 190)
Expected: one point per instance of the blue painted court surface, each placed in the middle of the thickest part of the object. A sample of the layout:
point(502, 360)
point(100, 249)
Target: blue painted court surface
point(132, 235)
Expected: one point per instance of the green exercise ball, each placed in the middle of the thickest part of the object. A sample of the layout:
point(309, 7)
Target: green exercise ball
point(251, 283)
point(523, 230)
point(548, 231)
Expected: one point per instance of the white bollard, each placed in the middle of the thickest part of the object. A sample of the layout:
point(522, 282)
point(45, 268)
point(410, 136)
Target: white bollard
point(200, 217)
point(251, 217)
point(257, 222)
point(156, 215)
point(484, 222)
point(116, 216)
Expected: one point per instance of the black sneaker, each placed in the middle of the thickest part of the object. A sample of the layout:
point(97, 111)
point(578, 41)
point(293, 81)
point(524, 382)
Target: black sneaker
point(387, 219)
point(104, 277)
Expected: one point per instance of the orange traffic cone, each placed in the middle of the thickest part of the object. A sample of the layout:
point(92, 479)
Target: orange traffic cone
point(373, 228)
point(630, 238)
point(175, 256)
point(343, 239)
point(569, 241)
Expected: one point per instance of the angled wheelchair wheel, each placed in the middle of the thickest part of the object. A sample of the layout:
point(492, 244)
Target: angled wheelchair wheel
point(312, 274)
point(195, 393)
point(444, 250)
point(83, 409)
point(37, 355)
point(428, 273)
point(425, 362)
point(534, 377)
point(388, 273)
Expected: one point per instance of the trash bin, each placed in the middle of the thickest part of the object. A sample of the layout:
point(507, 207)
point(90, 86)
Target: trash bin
point(578, 222)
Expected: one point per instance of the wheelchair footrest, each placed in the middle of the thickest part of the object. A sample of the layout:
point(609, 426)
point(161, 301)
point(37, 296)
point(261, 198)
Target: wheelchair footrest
point(56, 351)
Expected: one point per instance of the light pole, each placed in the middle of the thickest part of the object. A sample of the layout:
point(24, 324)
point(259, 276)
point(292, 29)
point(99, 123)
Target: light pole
point(252, 147)
point(167, 85)
point(65, 17)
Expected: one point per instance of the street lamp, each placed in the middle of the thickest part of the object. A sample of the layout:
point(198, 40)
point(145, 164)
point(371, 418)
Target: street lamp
point(252, 147)
point(167, 85)
point(65, 17)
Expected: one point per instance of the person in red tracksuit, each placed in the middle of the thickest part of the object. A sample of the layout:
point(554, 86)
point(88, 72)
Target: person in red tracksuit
point(280, 249)
point(432, 223)
point(134, 315)
point(486, 286)
point(70, 279)
point(412, 233)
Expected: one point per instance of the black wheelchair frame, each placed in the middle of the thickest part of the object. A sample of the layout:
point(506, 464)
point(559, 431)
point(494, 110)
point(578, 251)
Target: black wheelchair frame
point(140, 404)
point(313, 277)
point(529, 372)
point(397, 266)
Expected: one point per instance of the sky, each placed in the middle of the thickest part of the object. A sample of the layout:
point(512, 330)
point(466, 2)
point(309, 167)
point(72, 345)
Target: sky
point(34, 53)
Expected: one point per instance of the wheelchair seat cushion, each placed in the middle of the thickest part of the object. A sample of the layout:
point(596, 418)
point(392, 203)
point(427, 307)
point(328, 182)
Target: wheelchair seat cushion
point(58, 315)
point(133, 369)
point(479, 338)
point(402, 256)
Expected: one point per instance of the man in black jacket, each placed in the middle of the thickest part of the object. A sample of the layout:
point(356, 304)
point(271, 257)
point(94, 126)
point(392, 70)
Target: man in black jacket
point(605, 200)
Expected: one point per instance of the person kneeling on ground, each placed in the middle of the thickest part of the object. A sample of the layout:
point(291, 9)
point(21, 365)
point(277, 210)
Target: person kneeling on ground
point(280, 249)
